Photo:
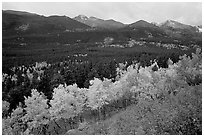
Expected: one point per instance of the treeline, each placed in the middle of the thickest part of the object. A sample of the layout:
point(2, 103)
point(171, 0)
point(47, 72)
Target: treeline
point(19, 81)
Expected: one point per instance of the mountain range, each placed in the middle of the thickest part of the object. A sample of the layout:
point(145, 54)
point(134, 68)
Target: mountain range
point(99, 23)
point(18, 22)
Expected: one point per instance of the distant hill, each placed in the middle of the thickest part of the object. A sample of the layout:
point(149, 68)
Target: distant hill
point(17, 22)
point(144, 29)
point(176, 25)
point(99, 23)
point(177, 29)
point(142, 23)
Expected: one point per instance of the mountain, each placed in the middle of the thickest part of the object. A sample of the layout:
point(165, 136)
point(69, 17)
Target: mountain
point(17, 22)
point(81, 18)
point(99, 23)
point(175, 25)
point(66, 23)
point(177, 29)
point(143, 24)
point(155, 23)
point(144, 29)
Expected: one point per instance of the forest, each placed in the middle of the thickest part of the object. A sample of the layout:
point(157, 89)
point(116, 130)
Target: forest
point(143, 96)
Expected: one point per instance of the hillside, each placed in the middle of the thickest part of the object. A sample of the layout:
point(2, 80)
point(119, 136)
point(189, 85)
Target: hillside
point(15, 22)
point(99, 23)
point(176, 25)
point(179, 30)
point(145, 29)
point(142, 100)
point(142, 23)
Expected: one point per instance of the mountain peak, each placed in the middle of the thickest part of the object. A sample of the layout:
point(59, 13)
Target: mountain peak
point(141, 23)
point(175, 24)
point(171, 23)
point(155, 23)
point(99, 23)
point(82, 17)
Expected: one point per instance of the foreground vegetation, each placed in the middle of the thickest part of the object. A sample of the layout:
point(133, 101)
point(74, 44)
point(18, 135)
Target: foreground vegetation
point(137, 100)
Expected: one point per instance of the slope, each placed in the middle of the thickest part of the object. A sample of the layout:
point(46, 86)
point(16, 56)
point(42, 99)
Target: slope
point(16, 22)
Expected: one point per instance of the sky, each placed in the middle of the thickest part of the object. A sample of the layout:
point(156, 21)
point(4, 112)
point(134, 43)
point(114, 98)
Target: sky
point(125, 12)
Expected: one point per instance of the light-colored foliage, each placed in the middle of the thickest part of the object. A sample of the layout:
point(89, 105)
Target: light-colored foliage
point(67, 102)
point(36, 110)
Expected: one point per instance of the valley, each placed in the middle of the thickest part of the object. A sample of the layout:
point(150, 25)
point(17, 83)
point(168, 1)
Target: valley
point(91, 76)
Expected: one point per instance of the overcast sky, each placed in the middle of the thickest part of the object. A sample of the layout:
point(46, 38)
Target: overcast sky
point(188, 13)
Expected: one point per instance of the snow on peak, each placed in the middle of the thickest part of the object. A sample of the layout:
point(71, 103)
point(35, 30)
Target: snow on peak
point(83, 17)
